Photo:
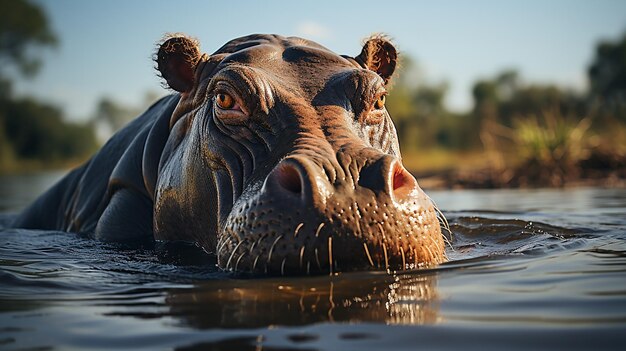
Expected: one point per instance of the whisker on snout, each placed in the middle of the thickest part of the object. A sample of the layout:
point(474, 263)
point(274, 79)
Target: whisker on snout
point(330, 254)
point(432, 255)
point(239, 260)
point(269, 256)
point(386, 257)
point(384, 245)
point(444, 223)
point(221, 245)
point(367, 252)
point(319, 228)
point(443, 251)
point(317, 259)
point(295, 233)
point(301, 255)
point(255, 262)
point(233, 253)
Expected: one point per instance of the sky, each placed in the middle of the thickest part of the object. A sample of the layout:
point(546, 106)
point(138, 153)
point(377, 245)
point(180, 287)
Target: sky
point(106, 46)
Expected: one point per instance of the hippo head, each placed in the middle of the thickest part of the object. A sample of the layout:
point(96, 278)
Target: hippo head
point(282, 159)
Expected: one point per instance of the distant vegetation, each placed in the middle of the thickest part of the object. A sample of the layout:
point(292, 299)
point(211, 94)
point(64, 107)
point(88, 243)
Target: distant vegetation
point(35, 134)
point(32, 133)
point(517, 133)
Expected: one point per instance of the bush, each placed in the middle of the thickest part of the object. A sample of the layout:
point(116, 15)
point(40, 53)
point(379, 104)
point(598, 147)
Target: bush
point(547, 149)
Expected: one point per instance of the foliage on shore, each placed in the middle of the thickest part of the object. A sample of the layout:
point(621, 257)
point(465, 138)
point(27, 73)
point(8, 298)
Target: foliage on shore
point(518, 133)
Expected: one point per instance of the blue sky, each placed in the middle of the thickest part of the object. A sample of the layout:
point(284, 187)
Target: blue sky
point(106, 46)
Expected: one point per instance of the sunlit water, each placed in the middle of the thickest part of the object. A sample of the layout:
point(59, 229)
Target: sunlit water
point(529, 270)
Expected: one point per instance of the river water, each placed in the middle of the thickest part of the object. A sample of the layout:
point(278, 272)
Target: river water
point(529, 269)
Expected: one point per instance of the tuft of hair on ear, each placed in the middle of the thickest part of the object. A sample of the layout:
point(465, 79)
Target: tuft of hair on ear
point(380, 55)
point(175, 57)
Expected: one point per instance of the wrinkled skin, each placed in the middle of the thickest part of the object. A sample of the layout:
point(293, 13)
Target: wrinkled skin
point(277, 155)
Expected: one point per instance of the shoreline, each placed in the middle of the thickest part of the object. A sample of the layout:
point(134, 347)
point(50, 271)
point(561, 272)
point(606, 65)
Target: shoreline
point(486, 178)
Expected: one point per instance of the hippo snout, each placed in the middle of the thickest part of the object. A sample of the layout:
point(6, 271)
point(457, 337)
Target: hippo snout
point(296, 177)
point(313, 217)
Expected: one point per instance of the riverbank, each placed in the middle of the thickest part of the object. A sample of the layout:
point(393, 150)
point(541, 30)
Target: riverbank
point(476, 170)
point(27, 166)
point(492, 179)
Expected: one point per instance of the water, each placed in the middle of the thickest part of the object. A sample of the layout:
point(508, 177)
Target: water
point(539, 269)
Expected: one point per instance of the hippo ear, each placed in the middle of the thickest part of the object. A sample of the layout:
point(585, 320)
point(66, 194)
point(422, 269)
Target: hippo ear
point(380, 56)
point(176, 60)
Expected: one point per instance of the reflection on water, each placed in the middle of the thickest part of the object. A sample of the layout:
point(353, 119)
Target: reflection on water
point(529, 269)
point(408, 299)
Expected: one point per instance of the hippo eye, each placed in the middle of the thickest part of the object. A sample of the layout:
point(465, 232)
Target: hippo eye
point(380, 102)
point(224, 101)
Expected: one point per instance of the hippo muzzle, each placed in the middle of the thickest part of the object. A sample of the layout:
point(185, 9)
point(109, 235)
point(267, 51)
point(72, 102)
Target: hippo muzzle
point(306, 217)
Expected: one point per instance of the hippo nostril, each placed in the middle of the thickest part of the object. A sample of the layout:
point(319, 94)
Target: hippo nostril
point(389, 176)
point(402, 182)
point(399, 179)
point(289, 178)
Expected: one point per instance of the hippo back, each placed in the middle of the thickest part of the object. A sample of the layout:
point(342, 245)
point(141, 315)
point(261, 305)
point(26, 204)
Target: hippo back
point(76, 203)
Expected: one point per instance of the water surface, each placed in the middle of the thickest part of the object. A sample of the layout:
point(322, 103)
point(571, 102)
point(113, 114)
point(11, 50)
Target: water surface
point(529, 269)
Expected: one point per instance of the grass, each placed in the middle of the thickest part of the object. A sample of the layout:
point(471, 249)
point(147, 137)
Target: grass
point(552, 140)
point(546, 149)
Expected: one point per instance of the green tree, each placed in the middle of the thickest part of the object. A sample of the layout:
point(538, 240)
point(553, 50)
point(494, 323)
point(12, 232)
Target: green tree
point(29, 129)
point(506, 97)
point(607, 73)
point(23, 27)
point(607, 83)
point(110, 115)
point(113, 114)
point(418, 108)
point(38, 131)
point(489, 95)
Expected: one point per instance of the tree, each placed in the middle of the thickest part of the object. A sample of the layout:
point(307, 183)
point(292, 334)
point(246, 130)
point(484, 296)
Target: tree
point(113, 114)
point(29, 129)
point(505, 97)
point(23, 27)
point(490, 94)
point(607, 73)
point(417, 107)
point(110, 115)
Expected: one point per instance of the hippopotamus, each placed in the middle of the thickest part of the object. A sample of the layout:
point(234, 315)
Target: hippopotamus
point(274, 154)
